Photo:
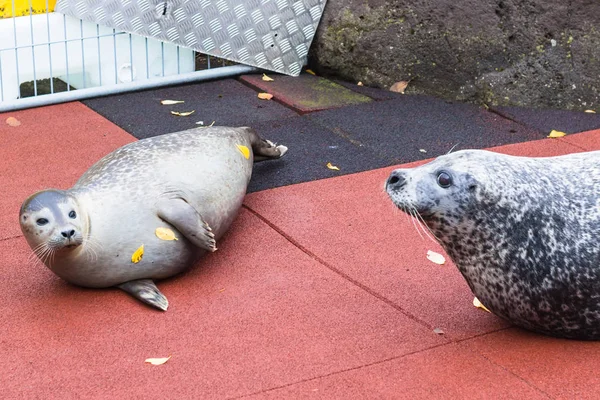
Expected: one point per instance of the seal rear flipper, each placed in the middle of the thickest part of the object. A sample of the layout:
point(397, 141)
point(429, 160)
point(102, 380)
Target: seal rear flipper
point(264, 149)
point(188, 221)
point(146, 291)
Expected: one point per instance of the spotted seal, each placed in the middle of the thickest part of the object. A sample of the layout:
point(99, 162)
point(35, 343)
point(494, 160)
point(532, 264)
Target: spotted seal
point(524, 232)
point(146, 211)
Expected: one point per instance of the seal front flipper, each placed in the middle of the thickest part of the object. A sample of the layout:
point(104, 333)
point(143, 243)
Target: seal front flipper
point(146, 291)
point(188, 221)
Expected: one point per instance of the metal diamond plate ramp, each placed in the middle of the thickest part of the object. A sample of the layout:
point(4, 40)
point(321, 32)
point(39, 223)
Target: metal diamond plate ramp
point(270, 34)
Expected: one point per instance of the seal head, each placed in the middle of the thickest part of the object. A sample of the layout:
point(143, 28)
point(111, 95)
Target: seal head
point(522, 231)
point(52, 221)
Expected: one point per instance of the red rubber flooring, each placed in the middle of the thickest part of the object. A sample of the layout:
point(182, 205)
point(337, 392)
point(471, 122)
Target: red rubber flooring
point(319, 290)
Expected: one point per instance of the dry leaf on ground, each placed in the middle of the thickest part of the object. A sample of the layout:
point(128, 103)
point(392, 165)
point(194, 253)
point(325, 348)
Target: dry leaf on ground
point(359, 84)
point(170, 102)
point(590, 111)
point(165, 234)
point(12, 121)
point(265, 96)
point(183, 114)
point(267, 79)
point(478, 304)
point(555, 134)
point(137, 255)
point(399, 87)
point(206, 126)
point(157, 361)
point(435, 257)
point(331, 166)
point(244, 150)
point(310, 71)
point(438, 331)
point(423, 150)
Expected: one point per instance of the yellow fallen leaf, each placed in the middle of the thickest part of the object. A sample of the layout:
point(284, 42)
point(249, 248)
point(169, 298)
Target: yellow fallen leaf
point(265, 96)
point(399, 87)
point(171, 102)
point(206, 126)
point(12, 121)
point(590, 111)
point(244, 150)
point(222, 290)
point(165, 234)
point(310, 71)
point(183, 114)
point(359, 84)
point(331, 166)
point(137, 255)
point(266, 78)
point(157, 361)
point(555, 134)
point(478, 304)
point(435, 257)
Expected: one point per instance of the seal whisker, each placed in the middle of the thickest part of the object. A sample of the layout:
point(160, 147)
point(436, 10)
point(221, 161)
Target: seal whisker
point(414, 223)
point(425, 228)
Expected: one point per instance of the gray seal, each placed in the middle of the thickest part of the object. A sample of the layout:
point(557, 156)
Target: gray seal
point(524, 232)
point(146, 211)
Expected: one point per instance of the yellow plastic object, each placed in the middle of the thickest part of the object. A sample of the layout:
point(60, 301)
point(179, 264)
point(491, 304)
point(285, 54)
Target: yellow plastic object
point(21, 7)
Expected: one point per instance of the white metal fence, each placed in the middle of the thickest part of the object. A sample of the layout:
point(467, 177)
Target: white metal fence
point(47, 58)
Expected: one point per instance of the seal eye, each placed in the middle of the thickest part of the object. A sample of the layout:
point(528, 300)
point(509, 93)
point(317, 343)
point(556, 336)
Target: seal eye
point(444, 179)
point(41, 221)
point(72, 214)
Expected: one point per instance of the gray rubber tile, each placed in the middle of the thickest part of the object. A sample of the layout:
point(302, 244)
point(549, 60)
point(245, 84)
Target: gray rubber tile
point(547, 120)
point(399, 129)
point(227, 102)
point(311, 147)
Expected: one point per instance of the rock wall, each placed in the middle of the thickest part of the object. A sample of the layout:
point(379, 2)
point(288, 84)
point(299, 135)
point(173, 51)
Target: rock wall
point(536, 53)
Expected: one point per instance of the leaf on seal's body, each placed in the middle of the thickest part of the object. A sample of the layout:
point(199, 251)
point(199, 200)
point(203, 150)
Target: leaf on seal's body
point(333, 167)
point(244, 150)
point(137, 255)
point(165, 234)
point(171, 102)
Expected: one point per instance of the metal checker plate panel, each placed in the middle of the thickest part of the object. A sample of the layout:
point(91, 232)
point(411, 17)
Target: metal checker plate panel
point(271, 34)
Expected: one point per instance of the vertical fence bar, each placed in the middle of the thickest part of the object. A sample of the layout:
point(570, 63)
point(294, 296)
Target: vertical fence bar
point(1, 79)
point(16, 51)
point(147, 64)
point(49, 47)
point(82, 52)
point(99, 56)
point(66, 53)
point(115, 52)
point(32, 47)
point(130, 59)
point(162, 51)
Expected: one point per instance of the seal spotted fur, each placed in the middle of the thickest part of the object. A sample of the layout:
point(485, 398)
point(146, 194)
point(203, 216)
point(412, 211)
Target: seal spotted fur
point(191, 183)
point(524, 232)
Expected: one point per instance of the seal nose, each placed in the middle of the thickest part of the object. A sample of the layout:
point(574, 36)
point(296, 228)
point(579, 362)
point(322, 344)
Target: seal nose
point(396, 180)
point(68, 234)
